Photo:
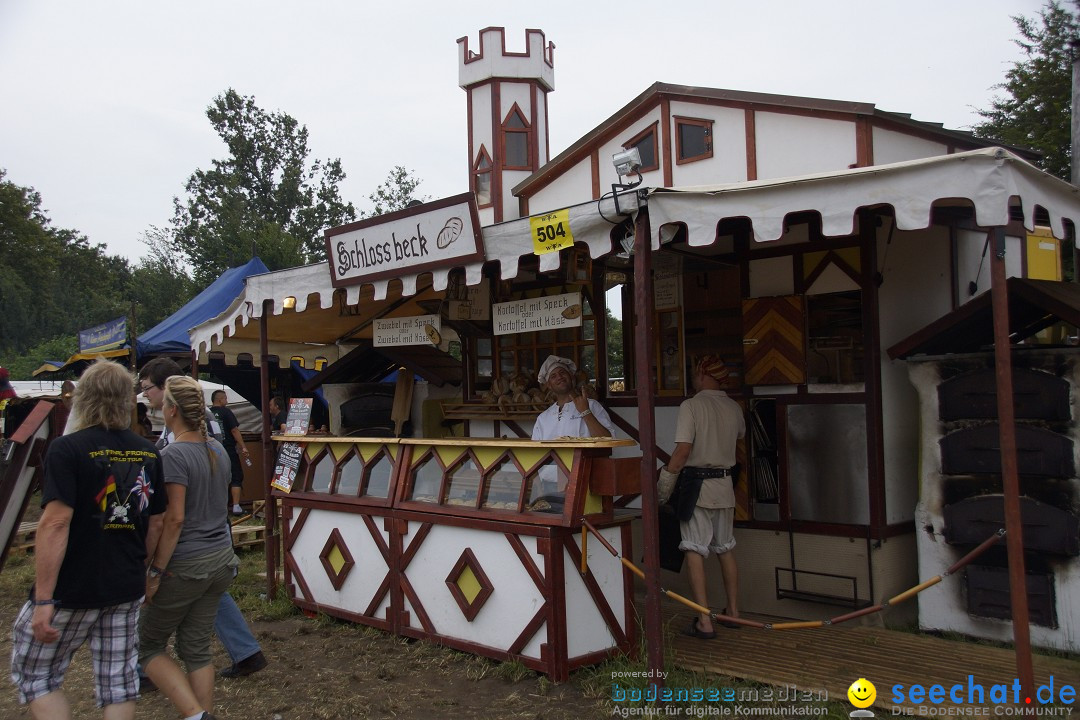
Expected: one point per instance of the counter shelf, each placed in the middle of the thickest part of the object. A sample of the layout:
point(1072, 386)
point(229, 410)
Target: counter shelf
point(470, 542)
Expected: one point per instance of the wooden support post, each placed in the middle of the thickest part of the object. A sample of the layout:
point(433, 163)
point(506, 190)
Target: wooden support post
point(644, 359)
point(1014, 534)
point(269, 507)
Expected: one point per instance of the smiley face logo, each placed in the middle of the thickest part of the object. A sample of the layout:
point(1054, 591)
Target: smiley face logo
point(862, 693)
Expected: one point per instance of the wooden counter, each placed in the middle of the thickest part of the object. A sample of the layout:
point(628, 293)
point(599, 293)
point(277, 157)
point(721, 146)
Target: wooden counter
point(474, 543)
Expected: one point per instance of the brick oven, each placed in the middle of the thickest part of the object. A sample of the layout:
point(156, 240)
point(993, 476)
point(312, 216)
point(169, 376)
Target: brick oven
point(961, 501)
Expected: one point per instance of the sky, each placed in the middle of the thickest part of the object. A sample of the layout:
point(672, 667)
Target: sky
point(102, 104)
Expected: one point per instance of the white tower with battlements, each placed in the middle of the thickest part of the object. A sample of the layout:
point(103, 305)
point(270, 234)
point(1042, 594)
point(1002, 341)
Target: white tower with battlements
point(508, 117)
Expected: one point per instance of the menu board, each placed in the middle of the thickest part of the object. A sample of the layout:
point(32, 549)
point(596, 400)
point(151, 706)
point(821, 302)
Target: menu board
point(412, 330)
point(288, 459)
point(547, 312)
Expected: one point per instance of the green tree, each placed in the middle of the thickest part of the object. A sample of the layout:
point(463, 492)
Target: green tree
point(59, 348)
point(395, 193)
point(1036, 110)
point(29, 253)
point(160, 282)
point(266, 197)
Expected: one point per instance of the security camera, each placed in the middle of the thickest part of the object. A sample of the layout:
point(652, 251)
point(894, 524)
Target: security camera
point(627, 161)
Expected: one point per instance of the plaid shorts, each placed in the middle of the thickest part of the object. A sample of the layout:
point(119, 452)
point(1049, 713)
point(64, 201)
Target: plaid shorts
point(38, 669)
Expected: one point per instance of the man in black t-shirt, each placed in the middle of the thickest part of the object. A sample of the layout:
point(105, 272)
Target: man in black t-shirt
point(278, 415)
point(234, 445)
point(103, 496)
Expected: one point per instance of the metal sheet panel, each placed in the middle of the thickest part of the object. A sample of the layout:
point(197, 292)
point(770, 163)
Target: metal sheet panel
point(827, 468)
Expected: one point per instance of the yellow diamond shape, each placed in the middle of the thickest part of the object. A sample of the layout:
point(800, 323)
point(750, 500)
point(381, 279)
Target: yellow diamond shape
point(336, 559)
point(468, 584)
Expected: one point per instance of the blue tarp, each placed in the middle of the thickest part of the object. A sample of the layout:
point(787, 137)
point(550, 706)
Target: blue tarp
point(171, 334)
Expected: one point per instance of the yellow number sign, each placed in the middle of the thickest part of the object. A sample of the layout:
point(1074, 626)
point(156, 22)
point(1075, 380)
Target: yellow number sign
point(551, 232)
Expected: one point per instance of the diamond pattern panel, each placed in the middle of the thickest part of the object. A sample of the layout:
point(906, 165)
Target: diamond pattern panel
point(469, 585)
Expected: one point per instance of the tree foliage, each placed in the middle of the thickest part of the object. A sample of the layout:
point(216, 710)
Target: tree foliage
point(55, 282)
point(52, 281)
point(1036, 110)
point(265, 198)
point(396, 192)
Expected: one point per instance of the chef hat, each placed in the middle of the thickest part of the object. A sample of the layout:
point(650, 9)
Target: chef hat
point(552, 362)
point(713, 366)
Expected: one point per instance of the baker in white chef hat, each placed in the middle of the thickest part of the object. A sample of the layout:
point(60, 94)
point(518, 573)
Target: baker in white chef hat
point(573, 414)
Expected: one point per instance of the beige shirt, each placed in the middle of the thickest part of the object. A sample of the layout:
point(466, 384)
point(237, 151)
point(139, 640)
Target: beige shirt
point(711, 422)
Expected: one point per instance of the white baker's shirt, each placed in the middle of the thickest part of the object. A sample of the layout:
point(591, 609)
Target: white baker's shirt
point(549, 426)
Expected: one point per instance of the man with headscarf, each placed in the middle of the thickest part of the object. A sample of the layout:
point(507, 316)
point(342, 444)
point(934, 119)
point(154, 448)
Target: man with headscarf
point(708, 427)
point(573, 414)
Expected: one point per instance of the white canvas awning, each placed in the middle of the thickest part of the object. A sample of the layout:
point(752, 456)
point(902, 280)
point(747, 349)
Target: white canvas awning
point(989, 179)
point(324, 322)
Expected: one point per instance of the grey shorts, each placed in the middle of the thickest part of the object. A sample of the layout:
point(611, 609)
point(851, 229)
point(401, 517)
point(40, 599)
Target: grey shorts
point(186, 604)
point(709, 529)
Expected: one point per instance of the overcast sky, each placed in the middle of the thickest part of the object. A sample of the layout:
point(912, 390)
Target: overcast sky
point(102, 104)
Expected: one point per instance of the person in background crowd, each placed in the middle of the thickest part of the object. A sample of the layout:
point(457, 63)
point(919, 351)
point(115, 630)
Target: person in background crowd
point(103, 498)
point(277, 414)
point(143, 426)
point(709, 425)
point(193, 562)
point(231, 628)
point(7, 392)
point(234, 445)
point(67, 393)
point(573, 414)
point(152, 377)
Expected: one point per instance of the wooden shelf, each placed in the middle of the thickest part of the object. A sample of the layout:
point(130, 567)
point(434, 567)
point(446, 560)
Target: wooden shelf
point(487, 411)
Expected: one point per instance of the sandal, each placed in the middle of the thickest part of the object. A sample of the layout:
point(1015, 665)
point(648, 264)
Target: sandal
point(695, 632)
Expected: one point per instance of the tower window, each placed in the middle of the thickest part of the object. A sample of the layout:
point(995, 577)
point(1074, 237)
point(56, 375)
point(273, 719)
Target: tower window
point(481, 178)
point(516, 136)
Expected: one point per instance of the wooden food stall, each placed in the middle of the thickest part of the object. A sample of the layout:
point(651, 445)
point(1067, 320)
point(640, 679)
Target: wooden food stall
point(470, 542)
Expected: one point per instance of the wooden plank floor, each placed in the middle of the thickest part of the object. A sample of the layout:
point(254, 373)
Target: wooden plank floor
point(831, 658)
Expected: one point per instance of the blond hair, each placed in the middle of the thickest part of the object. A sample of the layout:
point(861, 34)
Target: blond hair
point(105, 396)
point(186, 395)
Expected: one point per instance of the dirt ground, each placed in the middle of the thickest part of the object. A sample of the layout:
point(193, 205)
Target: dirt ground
point(324, 669)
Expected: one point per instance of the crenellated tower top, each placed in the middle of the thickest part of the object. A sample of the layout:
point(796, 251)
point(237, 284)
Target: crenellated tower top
point(493, 61)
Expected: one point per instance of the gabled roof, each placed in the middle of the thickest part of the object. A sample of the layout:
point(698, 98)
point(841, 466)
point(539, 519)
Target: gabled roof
point(659, 91)
point(1033, 306)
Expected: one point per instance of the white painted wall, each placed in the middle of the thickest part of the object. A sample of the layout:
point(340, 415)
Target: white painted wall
point(771, 276)
point(915, 292)
point(796, 145)
point(574, 186)
point(728, 163)
point(510, 93)
point(481, 121)
point(969, 256)
point(891, 146)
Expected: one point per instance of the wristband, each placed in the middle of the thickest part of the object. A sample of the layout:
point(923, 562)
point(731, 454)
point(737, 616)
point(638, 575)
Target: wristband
point(38, 603)
point(155, 572)
point(586, 412)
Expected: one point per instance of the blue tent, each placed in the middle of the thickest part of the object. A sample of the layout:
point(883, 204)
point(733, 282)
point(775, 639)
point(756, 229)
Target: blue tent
point(171, 334)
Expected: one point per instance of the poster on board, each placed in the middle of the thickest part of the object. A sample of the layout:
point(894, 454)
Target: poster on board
point(288, 459)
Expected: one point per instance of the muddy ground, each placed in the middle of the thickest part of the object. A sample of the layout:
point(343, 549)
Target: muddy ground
point(324, 669)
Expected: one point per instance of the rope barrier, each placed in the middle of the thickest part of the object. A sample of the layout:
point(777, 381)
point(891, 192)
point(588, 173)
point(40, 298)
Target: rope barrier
point(801, 624)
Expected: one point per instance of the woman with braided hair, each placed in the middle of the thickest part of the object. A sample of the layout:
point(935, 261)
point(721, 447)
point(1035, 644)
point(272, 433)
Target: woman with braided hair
point(193, 562)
